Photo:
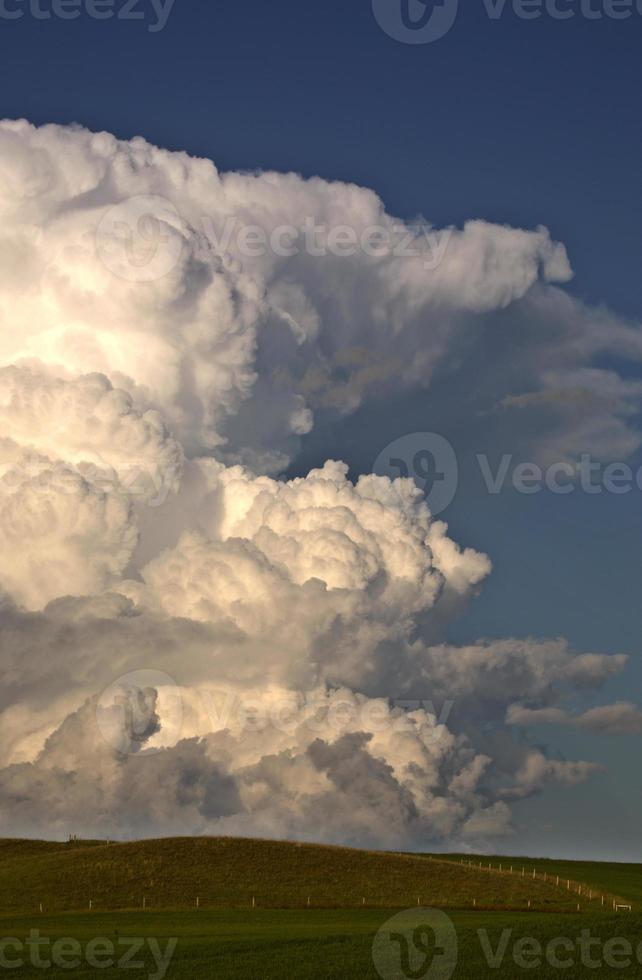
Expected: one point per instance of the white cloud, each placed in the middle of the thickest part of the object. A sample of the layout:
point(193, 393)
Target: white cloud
point(242, 349)
point(153, 373)
point(86, 422)
point(621, 718)
point(58, 534)
point(396, 778)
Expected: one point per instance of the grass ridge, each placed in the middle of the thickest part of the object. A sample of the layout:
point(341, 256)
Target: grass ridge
point(234, 872)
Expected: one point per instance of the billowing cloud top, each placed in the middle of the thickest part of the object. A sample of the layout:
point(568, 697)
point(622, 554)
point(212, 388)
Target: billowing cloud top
point(204, 645)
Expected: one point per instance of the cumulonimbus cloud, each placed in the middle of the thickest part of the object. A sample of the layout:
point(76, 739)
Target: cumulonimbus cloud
point(159, 367)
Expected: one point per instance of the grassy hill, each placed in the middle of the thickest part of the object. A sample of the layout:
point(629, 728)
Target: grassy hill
point(613, 878)
point(233, 873)
point(332, 939)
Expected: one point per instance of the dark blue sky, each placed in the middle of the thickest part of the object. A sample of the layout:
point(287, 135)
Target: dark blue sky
point(523, 122)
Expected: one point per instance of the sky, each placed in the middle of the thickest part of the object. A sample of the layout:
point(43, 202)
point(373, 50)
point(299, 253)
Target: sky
point(514, 345)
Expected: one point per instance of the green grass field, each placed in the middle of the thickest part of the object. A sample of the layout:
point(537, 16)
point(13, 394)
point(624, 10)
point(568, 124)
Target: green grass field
point(320, 945)
point(281, 936)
